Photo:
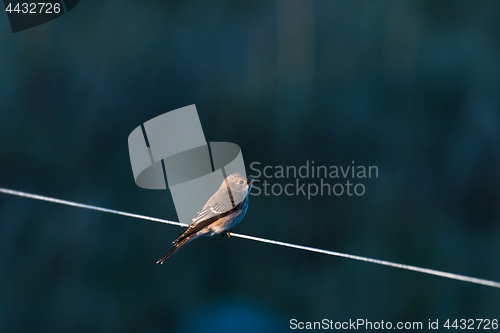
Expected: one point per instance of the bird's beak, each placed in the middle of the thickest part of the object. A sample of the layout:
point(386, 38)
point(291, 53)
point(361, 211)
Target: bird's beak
point(252, 181)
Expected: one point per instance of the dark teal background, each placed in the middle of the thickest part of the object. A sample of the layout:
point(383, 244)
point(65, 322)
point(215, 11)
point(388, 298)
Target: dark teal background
point(410, 86)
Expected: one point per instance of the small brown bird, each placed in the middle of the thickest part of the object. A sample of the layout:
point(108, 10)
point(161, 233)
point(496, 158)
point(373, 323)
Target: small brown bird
point(221, 212)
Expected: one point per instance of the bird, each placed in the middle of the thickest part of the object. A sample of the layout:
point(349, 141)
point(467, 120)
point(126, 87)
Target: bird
point(225, 209)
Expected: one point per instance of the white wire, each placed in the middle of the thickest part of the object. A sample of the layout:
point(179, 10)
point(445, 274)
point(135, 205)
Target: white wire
point(76, 204)
point(453, 276)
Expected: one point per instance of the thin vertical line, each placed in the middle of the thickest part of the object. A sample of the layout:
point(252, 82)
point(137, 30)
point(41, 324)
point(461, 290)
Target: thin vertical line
point(64, 6)
point(227, 186)
point(164, 172)
point(145, 135)
point(211, 158)
point(147, 144)
point(223, 175)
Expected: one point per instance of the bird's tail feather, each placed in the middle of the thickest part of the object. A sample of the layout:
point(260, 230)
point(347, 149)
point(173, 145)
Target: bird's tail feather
point(174, 249)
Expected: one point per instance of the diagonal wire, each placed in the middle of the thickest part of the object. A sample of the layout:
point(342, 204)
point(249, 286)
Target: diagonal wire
point(453, 276)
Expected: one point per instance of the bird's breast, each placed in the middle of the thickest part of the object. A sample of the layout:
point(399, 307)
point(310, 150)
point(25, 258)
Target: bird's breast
point(227, 222)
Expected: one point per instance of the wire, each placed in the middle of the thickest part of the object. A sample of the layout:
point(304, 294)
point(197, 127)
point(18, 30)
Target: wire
point(453, 276)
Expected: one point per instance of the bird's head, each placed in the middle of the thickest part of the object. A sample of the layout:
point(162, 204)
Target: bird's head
point(240, 182)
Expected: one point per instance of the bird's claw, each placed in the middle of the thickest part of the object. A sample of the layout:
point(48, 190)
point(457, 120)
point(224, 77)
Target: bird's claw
point(226, 233)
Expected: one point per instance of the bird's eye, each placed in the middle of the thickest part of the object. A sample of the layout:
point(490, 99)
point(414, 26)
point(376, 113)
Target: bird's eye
point(241, 182)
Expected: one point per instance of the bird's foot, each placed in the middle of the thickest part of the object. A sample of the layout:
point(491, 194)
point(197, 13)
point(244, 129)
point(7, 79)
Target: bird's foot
point(226, 233)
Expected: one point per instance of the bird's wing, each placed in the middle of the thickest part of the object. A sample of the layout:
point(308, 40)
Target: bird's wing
point(208, 215)
point(209, 211)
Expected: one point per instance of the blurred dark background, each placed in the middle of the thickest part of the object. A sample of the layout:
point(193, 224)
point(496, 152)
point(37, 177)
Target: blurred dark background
point(410, 86)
